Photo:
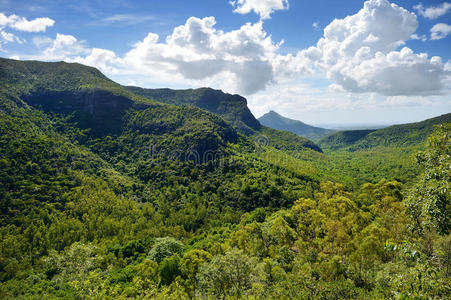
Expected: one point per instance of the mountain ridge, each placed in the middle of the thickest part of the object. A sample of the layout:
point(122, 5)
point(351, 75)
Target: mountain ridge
point(232, 108)
point(104, 107)
point(409, 134)
point(274, 120)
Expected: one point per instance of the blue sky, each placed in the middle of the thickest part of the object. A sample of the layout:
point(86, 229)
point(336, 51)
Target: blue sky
point(379, 62)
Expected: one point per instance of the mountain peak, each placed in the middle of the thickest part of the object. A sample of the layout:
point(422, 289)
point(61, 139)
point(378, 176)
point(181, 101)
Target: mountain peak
point(274, 120)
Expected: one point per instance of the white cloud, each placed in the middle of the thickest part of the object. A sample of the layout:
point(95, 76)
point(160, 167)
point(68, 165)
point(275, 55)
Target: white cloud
point(407, 101)
point(105, 60)
point(22, 24)
point(42, 41)
point(316, 25)
point(7, 37)
point(360, 53)
point(63, 47)
point(433, 12)
point(126, 19)
point(415, 36)
point(440, 31)
point(242, 60)
point(263, 8)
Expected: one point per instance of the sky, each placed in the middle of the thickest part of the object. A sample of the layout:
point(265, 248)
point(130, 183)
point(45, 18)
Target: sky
point(321, 62)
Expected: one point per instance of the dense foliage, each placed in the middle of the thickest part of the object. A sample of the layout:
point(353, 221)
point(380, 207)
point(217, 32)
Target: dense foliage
point(232, 108)
point(404, 135)
point(172, 202)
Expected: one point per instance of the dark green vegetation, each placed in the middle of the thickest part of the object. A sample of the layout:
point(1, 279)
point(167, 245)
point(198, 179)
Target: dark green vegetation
point(105, 193)
point(232, 108)
point(413, 134)
point(276, 121)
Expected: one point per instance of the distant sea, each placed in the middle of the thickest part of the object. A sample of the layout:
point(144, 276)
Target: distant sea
point(352, 126)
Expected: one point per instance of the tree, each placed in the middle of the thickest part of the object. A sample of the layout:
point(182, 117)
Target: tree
point(189, 266)
point(146, 274)
point(165, 247)
point(228, 275)
point(429, 201)
point(169, 269)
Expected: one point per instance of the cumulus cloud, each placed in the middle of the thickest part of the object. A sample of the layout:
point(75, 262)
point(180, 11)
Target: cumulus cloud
point(433, 12)
point(263, 8)
point(198, 51)
point(360, 54)
point(440, 31)
point(105, 60)
point(22, 24)
point(63, 47)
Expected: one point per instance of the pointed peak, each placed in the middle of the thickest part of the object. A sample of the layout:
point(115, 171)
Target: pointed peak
point(272, 112)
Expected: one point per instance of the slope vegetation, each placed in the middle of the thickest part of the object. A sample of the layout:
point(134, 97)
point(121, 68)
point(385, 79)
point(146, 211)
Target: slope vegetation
point(107, 194)
point(233, 108)
point(404, 135)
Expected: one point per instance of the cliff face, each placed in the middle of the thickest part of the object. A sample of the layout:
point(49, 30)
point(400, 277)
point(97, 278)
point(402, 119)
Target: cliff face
point(232, 108)
point(89, 100)
point(100, 110)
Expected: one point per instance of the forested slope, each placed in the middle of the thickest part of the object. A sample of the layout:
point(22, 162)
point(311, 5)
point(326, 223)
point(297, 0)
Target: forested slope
point(107, 194)
point(233, 108)
point(412, 134)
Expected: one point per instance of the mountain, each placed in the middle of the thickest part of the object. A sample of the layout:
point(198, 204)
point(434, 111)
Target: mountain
point(412, 134)
point(108, 194)
point(276, 121)
point(142, 141)
point(232, 108)
point(103, 107)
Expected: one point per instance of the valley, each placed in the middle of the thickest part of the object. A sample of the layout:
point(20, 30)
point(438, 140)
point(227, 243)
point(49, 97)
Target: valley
point(112, 191)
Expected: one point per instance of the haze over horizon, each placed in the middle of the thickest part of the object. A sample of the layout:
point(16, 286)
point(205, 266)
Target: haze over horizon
point(374, 62)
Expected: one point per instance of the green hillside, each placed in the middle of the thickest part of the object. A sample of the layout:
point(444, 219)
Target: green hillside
point(108, 194)
point(404, 135)
point(343, 139)
point(233, 108)
point(93, 102)
point(276, 121)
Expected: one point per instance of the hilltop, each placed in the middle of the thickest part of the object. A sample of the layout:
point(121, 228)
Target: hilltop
point(274, 120)
point(404, 135)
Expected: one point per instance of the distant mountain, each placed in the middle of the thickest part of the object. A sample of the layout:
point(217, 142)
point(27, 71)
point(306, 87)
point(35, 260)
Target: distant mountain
point(232, 108)
point(276, 121)
point(398, 135)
